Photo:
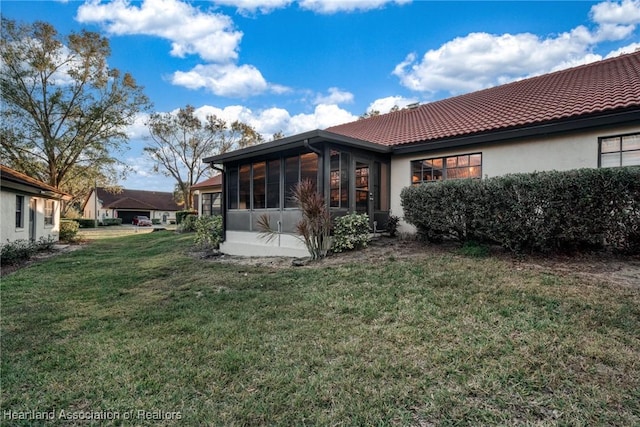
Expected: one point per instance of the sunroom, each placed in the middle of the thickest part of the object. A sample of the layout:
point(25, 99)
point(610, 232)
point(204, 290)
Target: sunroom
point(351, 174)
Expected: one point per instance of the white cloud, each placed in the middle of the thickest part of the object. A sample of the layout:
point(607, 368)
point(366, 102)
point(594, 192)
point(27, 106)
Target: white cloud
point(223, 80)
point(318, 6)
point(272, 120)
point(480, 60)
point(384, 105)
point(335, 96)
point(211, 36)
point(335, 6)
point(252, 6)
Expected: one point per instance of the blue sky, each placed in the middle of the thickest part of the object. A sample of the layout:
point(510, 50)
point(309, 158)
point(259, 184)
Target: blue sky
point(293, 66)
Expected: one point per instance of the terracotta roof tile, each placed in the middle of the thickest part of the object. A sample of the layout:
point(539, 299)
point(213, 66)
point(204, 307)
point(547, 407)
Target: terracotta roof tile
point(211, 182)
point(137, 199)
point(13, 175)
point(608, 85)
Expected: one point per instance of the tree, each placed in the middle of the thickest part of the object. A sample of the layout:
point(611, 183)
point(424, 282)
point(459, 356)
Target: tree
point(180, 141)
point(64, 111)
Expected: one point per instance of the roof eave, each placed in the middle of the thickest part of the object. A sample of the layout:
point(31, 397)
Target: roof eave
point(292, 142)
point(577, 123)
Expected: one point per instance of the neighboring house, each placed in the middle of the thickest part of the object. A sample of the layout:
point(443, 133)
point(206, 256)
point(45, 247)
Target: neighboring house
point(207, 196)
point(583, 117)
point(126, 204)
point(30, 208)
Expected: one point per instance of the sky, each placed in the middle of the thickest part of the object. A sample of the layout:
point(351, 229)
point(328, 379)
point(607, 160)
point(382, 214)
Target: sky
point(292, 66)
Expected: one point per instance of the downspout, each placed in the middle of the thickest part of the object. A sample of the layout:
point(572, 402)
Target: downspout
point(223, 201)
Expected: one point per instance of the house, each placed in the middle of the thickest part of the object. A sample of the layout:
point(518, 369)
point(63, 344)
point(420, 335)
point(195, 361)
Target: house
point(583, 117)
point(207, 196)
point(125, 204)
point(30, 208)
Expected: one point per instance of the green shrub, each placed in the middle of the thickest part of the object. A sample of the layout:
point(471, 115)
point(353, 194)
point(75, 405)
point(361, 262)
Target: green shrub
point(111, 221)
point(86, 222)
point(45, 243)
point(208, 232)
point(182, 215)
point(68, 230)
point(22, 250)
point(351, 232)
point(156, 221)
point(188, 224)
point(17, 251)
point(537, 212)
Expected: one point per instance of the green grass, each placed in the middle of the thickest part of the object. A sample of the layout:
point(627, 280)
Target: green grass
point(135, 323)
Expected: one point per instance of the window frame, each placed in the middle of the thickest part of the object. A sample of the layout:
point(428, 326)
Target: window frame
point(620, 151)
point(20, 211)
point(444, 169)
point(49, 213)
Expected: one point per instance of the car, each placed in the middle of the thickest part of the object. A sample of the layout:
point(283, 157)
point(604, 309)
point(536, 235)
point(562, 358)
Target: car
point(142, 221)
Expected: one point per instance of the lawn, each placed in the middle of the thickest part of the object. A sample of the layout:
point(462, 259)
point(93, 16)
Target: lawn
point(138, 330)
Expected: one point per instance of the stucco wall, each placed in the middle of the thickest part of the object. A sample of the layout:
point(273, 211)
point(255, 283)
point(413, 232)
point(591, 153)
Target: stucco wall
point(8, 228)
point(558, 152)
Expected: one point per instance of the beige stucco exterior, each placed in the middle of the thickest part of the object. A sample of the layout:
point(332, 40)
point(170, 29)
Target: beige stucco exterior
point(10, 232)
point(554, 152)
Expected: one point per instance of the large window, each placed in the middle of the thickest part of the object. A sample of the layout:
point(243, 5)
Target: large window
point(623, 150)
point(19, 211)
point(49, 208)
point(339, 179)
point(258, 185)
point(452, 167)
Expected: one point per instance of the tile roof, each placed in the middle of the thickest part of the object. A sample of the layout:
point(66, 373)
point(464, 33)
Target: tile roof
point(138, 199)
point(600, 87)
point(8, 174)
point(211, 182)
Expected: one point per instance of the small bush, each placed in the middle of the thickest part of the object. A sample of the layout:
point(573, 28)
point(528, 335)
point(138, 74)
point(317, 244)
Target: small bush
point(208, 232)
point(17, 251)
point(182, 215)
point(188, 224)
point(45, 243)
point(111, 221)
point(155, 221)
point(68, 230)
point(351, 232)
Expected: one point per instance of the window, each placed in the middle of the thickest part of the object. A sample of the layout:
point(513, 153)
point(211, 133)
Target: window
point(339, 179)
point(273, 183)
point(19, 211)
point(621, 150)
point(297, 169)
point(232, 187)
point(453, 167)
point(210, 204)
point(48, 212)
point(259, 185)
point(244, 189)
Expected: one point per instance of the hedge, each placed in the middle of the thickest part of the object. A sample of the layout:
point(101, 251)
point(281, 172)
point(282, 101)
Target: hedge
point(85, 222)
point(538, 212)
point(111, 221)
